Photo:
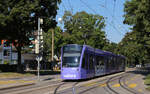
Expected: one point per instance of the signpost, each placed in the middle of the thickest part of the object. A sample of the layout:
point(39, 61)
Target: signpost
point(39, 58)
point(40, 45)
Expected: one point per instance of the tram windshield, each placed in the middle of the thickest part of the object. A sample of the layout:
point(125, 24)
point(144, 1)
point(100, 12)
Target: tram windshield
point(71, 56)
point(71, 59)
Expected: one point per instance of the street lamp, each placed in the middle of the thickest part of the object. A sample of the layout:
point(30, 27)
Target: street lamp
point(60, 20)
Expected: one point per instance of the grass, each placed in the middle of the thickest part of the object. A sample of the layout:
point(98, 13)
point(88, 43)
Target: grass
point(26, 74)
point(14, 75)
point(147, 82)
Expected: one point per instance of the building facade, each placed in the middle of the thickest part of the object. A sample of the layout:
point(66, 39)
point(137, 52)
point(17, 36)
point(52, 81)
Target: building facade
point(8, 53)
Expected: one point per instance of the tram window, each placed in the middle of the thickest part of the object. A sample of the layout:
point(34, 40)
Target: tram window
point(115, 62)
point(91, 62)
point(99, 61)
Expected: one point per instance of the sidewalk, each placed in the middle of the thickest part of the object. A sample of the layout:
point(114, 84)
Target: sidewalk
point(6, 83)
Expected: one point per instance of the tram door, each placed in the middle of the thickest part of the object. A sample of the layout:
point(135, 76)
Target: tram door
point(100, 66)
point(85, 65)
point(88, 65)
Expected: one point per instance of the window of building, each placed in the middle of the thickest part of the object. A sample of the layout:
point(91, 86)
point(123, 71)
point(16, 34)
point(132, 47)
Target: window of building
point(0, 42)
point(6, 53)
point(6, 44)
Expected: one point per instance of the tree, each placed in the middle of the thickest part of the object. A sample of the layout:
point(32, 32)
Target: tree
point(134, 52)
point(111, 47)
point(137, 14)
point(18, 18)
point(84, 28)
point(58, 42)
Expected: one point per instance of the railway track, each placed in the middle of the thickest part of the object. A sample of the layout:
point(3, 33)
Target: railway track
point(34, 87)
point(80, 88)
point(122, 82)
point(70, 88)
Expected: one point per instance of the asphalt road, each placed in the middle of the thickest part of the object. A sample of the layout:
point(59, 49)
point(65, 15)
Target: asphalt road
point(129, 82)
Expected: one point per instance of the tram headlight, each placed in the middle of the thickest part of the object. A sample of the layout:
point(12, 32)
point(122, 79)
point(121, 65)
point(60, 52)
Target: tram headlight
point(70, 75)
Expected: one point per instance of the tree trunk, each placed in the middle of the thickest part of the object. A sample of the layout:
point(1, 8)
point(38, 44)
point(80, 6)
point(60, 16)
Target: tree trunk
point(19, 66)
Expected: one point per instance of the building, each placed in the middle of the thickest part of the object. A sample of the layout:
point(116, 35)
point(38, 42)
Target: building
point(8, 53)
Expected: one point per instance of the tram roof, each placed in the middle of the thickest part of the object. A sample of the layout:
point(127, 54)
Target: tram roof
point(99, 50)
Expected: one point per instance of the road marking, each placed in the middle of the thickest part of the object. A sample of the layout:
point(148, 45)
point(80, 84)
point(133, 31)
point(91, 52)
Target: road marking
point(140, 90)
point(122, 83)
point(89, 84)
point(7, 82)
point(132, 85)
point(116, 85)
point(132, 78)
point(126, 82)
point(102, 85)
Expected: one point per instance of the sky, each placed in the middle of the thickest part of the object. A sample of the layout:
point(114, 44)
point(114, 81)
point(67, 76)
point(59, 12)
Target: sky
point(111, 10)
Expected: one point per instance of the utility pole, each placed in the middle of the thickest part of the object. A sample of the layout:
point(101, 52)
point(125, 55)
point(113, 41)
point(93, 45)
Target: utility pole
point(52, 58)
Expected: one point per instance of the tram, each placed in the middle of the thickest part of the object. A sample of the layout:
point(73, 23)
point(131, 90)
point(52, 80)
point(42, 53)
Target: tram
point(83, 61)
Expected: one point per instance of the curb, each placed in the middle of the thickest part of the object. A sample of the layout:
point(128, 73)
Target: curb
point(16, 86)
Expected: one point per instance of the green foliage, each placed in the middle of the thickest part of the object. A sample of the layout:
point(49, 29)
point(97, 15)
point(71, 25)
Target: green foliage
point(135, 45)
point(147, 82)
point(84, 28)
point(111, 47)
point(6, 62)
point(148, 77)
point(58, 42)
point(135, 52)
point(19, 18)
point(138, 14)
point(80, 28)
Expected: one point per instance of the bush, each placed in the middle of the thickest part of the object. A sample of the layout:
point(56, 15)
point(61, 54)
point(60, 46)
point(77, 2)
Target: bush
point(8, 68)
point(148, 77)
point(147, 82)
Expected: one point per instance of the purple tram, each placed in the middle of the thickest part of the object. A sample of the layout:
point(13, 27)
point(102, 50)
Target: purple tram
point(83, 61)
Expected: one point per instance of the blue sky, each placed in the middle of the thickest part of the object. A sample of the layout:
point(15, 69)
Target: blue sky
point(112, 10)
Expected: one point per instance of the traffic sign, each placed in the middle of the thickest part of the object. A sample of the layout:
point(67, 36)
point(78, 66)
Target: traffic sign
point(39, 58)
